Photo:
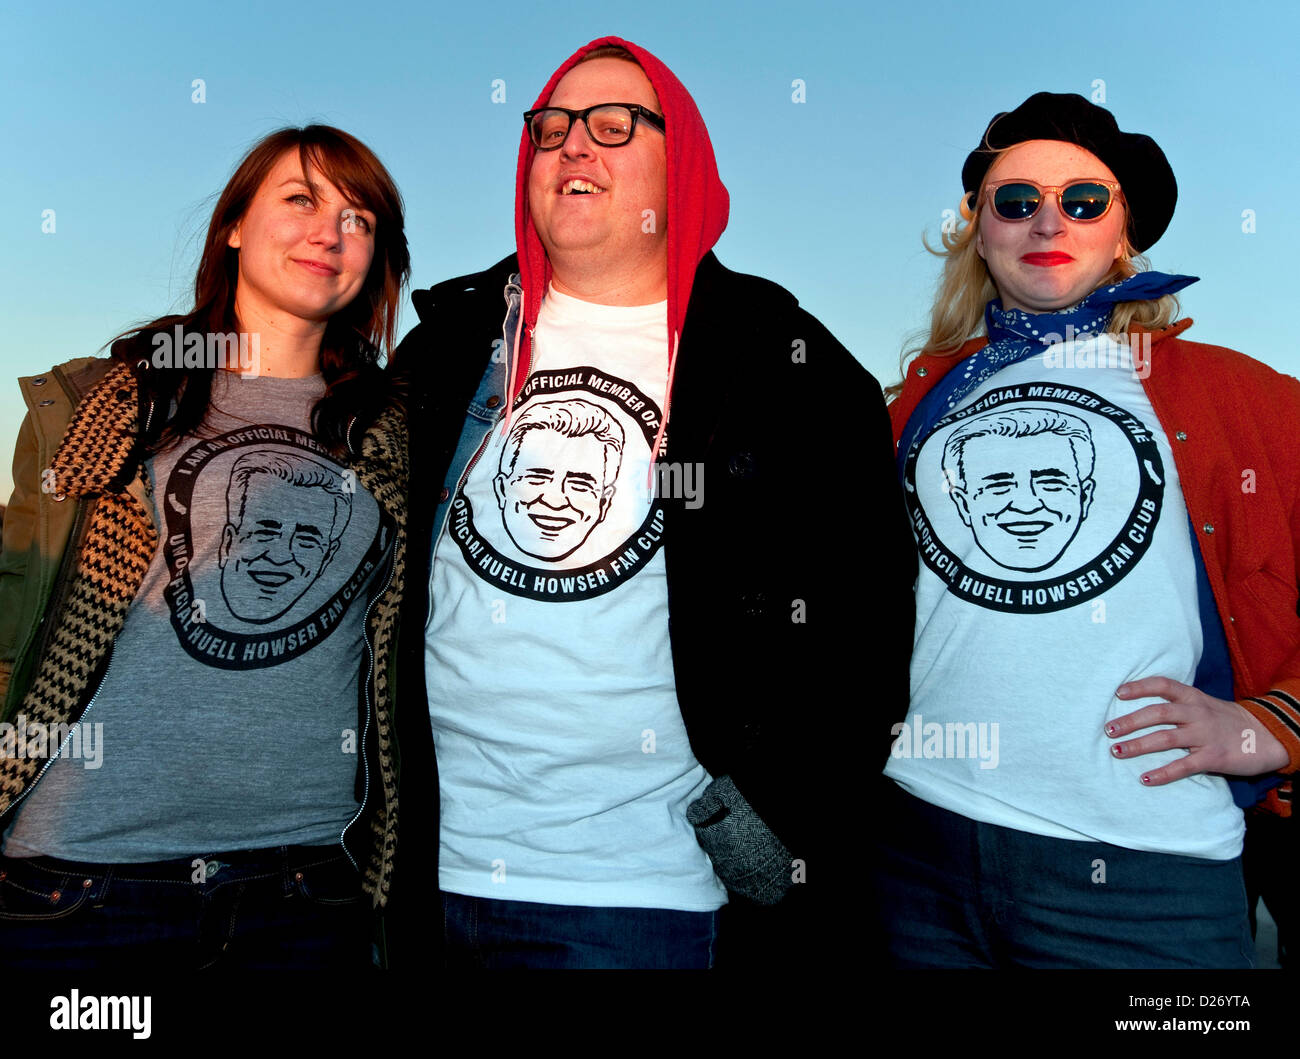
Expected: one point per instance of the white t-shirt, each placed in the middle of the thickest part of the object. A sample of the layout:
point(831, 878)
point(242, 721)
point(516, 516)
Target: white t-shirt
point(564, 765)
point(1056, 565)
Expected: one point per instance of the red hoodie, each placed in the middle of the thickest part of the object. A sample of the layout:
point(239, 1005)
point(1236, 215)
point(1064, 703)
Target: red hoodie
point(698, 205)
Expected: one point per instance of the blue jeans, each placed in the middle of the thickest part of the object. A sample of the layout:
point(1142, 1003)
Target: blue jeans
point(482, 932)
point(954, 892)
point(292, 907)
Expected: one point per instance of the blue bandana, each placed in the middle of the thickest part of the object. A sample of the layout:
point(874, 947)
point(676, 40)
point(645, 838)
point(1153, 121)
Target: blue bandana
point(1015, 334)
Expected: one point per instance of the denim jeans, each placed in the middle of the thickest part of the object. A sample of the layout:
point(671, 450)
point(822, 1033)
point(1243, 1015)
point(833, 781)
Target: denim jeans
point(954, 892)
point(292, 907)
point(483, 932)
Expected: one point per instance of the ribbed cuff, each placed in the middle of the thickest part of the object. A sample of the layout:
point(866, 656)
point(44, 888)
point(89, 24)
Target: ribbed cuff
point(1279, 712)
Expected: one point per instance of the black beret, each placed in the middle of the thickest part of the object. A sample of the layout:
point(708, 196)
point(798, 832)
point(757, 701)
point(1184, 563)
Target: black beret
point(1139, 165)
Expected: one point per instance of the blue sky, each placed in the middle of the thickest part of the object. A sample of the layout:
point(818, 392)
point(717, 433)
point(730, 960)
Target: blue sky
point(830, 197)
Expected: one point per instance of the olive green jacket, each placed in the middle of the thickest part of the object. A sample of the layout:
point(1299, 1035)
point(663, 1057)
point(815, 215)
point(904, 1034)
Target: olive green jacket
point(78, 538)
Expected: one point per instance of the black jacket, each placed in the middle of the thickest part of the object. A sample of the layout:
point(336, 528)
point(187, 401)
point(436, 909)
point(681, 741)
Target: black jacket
point(789, 587)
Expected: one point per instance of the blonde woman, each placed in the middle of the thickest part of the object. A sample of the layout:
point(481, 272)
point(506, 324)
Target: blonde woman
point(1106, 620)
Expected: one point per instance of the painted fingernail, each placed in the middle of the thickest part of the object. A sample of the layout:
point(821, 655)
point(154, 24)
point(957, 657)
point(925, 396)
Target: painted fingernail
point(1110, 729)
point(1118, 750)
point(1146, 779)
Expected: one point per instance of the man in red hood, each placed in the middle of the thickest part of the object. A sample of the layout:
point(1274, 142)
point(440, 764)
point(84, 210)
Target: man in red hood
point(645, 653)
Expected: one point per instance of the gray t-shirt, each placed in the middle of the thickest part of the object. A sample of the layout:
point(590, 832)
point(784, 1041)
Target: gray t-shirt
point(228, 718)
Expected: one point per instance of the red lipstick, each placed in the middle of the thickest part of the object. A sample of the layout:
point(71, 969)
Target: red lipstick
point(1047, 260)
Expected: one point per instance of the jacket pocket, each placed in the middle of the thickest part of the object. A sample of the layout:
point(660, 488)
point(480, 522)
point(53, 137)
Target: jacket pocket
point(1274, 599)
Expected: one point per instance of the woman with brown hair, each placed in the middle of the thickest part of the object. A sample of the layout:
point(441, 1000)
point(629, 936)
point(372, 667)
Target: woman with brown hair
point(1107, 520)
point(201, 570)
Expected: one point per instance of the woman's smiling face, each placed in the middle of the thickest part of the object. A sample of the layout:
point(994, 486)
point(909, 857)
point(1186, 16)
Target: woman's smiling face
point(304, 248)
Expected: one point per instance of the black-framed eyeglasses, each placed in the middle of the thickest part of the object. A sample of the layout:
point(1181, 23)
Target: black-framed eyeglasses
point(608, 124)
point(1081, 200)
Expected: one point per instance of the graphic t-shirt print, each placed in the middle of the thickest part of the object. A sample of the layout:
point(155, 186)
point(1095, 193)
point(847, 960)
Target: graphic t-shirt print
point(557, 508)
point(1034, 497)
point(263, 534)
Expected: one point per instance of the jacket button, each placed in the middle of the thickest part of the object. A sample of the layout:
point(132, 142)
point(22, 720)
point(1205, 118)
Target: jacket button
point(493, 401)
point(59, 497)
point(1208, 528)
point(442, 497)
point(923, 372)
point(35, 382)
point(1181, 435)
point(47, 401)
point(743, 465)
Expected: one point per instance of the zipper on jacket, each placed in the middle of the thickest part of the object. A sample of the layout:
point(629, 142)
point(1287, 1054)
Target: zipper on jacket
point(365, 728)
point(464, 475)
point(515, 304)
point(13, 806)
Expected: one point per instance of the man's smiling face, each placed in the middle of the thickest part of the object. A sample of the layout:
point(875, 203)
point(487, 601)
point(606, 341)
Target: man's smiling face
point(1022, 497)
point(279, 548)
point(587, 201)
point(555, 494)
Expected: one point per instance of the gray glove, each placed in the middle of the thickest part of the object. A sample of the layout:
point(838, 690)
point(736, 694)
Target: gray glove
point(746, 855)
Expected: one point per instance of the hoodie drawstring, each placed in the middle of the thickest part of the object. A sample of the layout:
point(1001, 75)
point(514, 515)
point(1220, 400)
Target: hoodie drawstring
point(514, 367)
point(663, 420)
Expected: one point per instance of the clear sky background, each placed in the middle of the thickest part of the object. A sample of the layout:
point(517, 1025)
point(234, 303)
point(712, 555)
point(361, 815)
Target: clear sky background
point(830, 197)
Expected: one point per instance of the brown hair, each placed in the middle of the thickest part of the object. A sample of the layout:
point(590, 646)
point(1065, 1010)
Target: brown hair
point(355, 386)
point(608, 51)
point(965, 287)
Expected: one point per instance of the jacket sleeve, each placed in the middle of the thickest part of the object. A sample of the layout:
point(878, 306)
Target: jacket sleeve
point(818, 671)
point(1278, 709)
point(842, 641)
point(19, 543)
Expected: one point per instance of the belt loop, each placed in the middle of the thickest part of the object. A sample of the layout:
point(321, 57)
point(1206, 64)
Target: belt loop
point(98, 902)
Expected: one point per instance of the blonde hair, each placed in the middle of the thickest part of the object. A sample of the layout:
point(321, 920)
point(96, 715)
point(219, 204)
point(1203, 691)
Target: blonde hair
point(965, 287)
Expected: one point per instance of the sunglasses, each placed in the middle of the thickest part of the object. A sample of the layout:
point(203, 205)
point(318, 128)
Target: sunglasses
point(1082, 200)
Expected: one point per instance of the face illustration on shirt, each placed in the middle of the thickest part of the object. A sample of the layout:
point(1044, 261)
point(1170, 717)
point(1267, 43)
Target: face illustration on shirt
point(556, 476)
point(1023, 488)
point(286, 522)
